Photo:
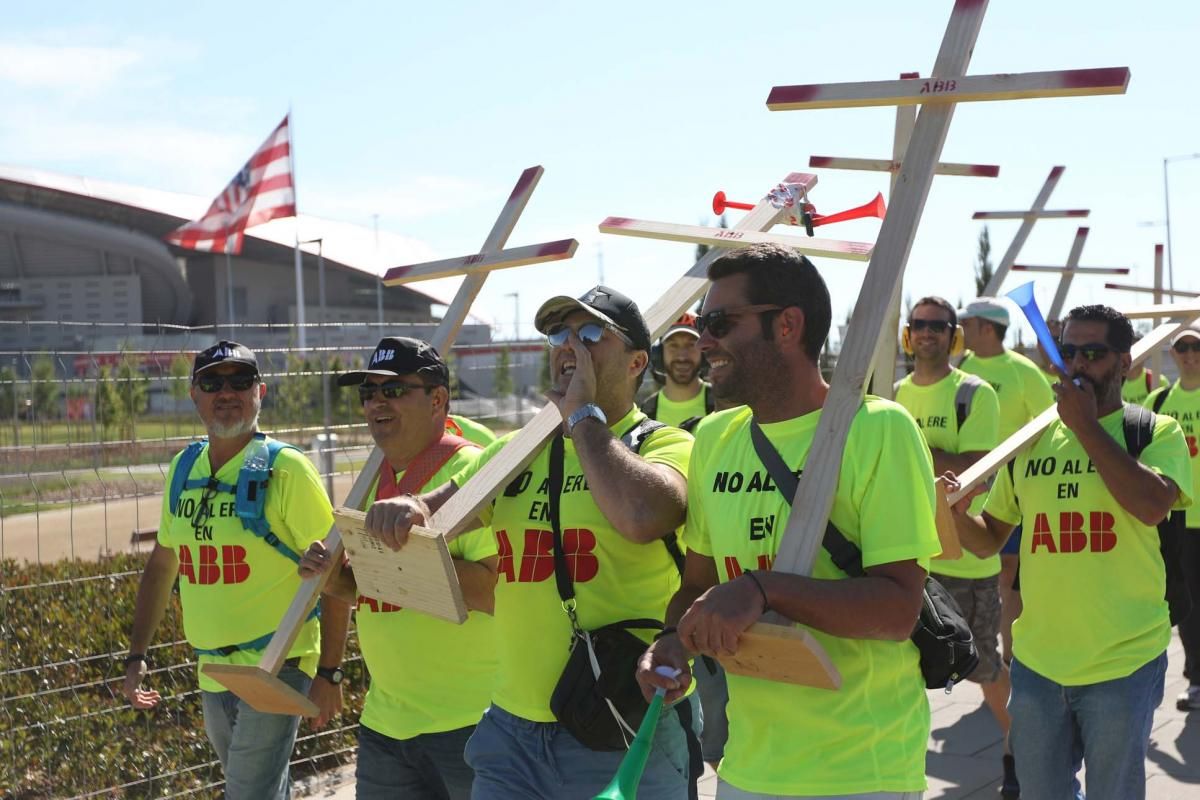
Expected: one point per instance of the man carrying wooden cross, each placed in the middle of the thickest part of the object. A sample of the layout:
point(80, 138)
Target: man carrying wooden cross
point(593, 516)
point(764, 322)
point(684, 399)
point(1181, 401)
point(430, 679)
point(1090, 645)
point(234, 538)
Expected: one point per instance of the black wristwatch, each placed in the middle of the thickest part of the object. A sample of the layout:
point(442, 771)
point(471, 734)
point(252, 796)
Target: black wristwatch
point(332, 674)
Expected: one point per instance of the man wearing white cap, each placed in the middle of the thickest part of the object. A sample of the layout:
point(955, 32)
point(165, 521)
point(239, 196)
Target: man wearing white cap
point(1182, 401)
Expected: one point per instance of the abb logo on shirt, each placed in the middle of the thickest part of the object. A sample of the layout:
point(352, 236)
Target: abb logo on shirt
point(1073, 536)
point(537, 555)
point(733, 567)
point(377, 606)
point(226, 565)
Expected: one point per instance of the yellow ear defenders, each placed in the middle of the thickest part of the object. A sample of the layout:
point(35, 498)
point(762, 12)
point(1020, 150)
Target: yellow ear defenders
point(957, 343)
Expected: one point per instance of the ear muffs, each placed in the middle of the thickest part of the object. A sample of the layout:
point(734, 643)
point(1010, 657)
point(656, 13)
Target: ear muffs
point(957, 342)
point(906, 341)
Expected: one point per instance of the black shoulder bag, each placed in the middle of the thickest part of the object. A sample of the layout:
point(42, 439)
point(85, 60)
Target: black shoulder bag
point(942, 636)
point(597, 697)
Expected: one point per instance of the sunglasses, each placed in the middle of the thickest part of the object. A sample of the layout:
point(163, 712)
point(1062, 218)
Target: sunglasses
point(211, 384)
point(935, 325)
point(392, 390)
point(719, 323)
point(588, 333)
point(1183, 346)
point(1090, 352)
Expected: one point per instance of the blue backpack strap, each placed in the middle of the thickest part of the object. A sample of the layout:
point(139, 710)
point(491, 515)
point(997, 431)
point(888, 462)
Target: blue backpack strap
point(251, 495)
point(253, 644)
point(183, 471)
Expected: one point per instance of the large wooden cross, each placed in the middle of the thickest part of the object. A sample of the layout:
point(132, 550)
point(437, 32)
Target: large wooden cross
point(884, 368)
point(1028, 218)
point(1158, 291)
point(260, 685)
point(947, 86)
point(1067, 273)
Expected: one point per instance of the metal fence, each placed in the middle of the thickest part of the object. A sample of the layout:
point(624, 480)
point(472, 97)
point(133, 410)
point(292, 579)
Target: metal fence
point(86, 436)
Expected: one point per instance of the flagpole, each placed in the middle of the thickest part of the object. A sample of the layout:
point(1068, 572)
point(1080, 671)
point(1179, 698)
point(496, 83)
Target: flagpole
point(229, 291)
point(301, 338)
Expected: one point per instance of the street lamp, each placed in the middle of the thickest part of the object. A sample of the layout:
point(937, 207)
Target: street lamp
point(326, 391)
point(1167, 204)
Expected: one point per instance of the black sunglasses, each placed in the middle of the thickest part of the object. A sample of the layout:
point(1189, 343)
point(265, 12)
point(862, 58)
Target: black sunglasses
point(719, 322)
point(588, 333)
point(935, 325)
point(211, 384)
point(1090, 352)
point(1182, 346)
point(391, 390)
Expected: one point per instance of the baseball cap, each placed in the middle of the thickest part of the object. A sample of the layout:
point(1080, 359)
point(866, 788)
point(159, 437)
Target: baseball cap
point(399, 355)
point(988, 308)
point(1192, 330)
point(605, 304)
point(224, 352)
point(685, 324)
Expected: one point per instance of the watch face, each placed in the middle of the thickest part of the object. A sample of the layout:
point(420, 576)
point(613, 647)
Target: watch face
point(334, 675)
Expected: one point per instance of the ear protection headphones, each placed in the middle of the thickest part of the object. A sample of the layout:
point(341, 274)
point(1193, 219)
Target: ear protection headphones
point(957, 342)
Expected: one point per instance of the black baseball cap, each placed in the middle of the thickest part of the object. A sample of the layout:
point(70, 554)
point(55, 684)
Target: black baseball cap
point(399, 355)
point(224, 352)
point(605, 304)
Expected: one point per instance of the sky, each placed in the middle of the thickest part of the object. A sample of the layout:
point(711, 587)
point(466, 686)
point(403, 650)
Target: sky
point(425, 115)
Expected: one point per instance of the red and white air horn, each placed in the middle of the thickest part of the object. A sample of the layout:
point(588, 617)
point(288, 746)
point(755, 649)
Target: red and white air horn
point(808, 216)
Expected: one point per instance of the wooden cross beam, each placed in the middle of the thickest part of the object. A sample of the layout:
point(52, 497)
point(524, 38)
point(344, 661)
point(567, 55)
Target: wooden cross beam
point(729, 238)
point(884, 364)
point(818, 482)
point(1028, 218)
point(1158, 291)
point(260, 685)
point(1069, 272)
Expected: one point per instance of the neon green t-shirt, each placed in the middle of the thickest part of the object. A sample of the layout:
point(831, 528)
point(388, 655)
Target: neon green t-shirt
point(614, 578)
point(233, 586)
point(672, 413)
point(1021, 387)
point(1135, 390)
point(1092, 576)
point(470, 430)
point(869, 736)
point(1184, 407)
point(934, 409)
point(429, 675)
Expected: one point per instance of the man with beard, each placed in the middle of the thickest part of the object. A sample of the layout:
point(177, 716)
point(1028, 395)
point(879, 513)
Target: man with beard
point(763, 325)
point(236, 564)
point(1182, 402)
point(684, 399)
point(588, 515)
point(1089, 649)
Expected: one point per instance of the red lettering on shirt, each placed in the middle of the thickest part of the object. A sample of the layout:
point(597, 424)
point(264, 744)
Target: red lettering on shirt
point(1041, 535)
point(505, 566)
point(185, 564)
point(1071, 538)
point(732, 568)
point(1103, 537)
point(234, 568)
point(537, 559)
point(210, 571)
point(578, 544)
point(376, 606)
point(765, 561)
point(1191, 443)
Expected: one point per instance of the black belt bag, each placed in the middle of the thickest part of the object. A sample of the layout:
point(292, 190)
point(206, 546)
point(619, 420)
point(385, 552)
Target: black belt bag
point(597, 697)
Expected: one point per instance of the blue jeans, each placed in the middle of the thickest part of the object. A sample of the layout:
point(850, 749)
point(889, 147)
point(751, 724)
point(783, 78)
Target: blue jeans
point(516, 759)
point(426, 767)
point(1105, 725)
point(254, 747)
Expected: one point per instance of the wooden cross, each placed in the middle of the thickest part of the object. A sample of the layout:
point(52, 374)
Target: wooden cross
point(1028, 218)
point(884, 367)
point(427, 553)
point(1068, 272)
point(1156, 290)
point(818, 482)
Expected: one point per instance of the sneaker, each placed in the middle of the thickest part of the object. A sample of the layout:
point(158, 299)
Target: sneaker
point(1009, 788)
point(1188, 700)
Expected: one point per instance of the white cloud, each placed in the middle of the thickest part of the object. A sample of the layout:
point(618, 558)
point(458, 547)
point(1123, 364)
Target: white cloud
point(67, 67)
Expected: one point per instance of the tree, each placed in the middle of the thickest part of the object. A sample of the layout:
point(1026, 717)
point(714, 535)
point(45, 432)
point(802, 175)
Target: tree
point(45, 389)
point(107, 402)
point(452, 368)
point(504, 379)
point(544, 381)
point(133, 394)
point(295, 393)
point(8, 393)
point(983, 262)
point(177, 385)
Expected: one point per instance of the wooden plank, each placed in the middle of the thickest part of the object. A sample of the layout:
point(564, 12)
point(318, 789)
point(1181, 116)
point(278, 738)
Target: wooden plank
point(1068, 213)
point(945, 89)
point(420, 576)
point(782, 653)
point(1076, 270)
point(482, 262)
point(944, 519)
point(1014, 247)
point(1068, 274)
point(1126, 287)
point(1172, 311)
point(1157, 363)
point(262, 690)
point(884, 165)
point(729, 238)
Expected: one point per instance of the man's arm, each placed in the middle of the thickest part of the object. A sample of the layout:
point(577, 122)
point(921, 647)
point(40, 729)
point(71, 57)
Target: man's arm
point(699, 575)
point(154, 592)
point(982, 535)
point(393, 518)
point(643, 501)
point(335, 621)
point(478, 582)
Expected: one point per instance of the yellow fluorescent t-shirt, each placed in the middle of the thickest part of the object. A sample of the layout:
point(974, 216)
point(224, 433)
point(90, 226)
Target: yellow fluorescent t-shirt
point(1134, 390)
point(672, 413)
point(1021, 387)
point(470, 430)
point(1092, 578)
point(869, 736)
point(1184, 407)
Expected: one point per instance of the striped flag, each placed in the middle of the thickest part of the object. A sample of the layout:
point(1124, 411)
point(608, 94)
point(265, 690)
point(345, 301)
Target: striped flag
point(261, 191)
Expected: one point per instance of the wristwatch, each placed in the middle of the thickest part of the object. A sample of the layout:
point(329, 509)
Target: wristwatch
point(582, 413)
point(332, 674)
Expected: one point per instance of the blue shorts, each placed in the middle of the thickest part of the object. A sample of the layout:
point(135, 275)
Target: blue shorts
point(1012, 547)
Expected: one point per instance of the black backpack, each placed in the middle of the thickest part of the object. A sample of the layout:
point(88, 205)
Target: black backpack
point(650, 408)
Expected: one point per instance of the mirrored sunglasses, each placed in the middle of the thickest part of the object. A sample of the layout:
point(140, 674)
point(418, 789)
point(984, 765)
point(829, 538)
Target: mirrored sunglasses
point(1090, 352)
point(588, 333)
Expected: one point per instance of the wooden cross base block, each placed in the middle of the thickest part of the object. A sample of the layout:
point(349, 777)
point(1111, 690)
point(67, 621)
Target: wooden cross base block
point(944, 518)
point(261, 690)
point(782, 653)
point(430, 584)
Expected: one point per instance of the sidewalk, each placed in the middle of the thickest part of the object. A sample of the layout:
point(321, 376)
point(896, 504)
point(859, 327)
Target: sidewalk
point(963, 760)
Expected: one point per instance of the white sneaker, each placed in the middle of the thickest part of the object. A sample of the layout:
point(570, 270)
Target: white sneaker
point(1189, 700)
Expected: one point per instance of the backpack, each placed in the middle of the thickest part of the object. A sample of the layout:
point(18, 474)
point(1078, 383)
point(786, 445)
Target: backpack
point(962, 397)
point(1138, 430)
point(650, 407)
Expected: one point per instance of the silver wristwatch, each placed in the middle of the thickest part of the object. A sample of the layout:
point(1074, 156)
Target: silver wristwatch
point(582, 413)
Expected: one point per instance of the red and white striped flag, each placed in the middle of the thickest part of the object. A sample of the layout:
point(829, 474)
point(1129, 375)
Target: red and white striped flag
point(261, 191)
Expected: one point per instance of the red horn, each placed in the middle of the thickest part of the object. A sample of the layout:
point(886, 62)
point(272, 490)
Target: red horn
point(720, 204)
point(874, 208)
